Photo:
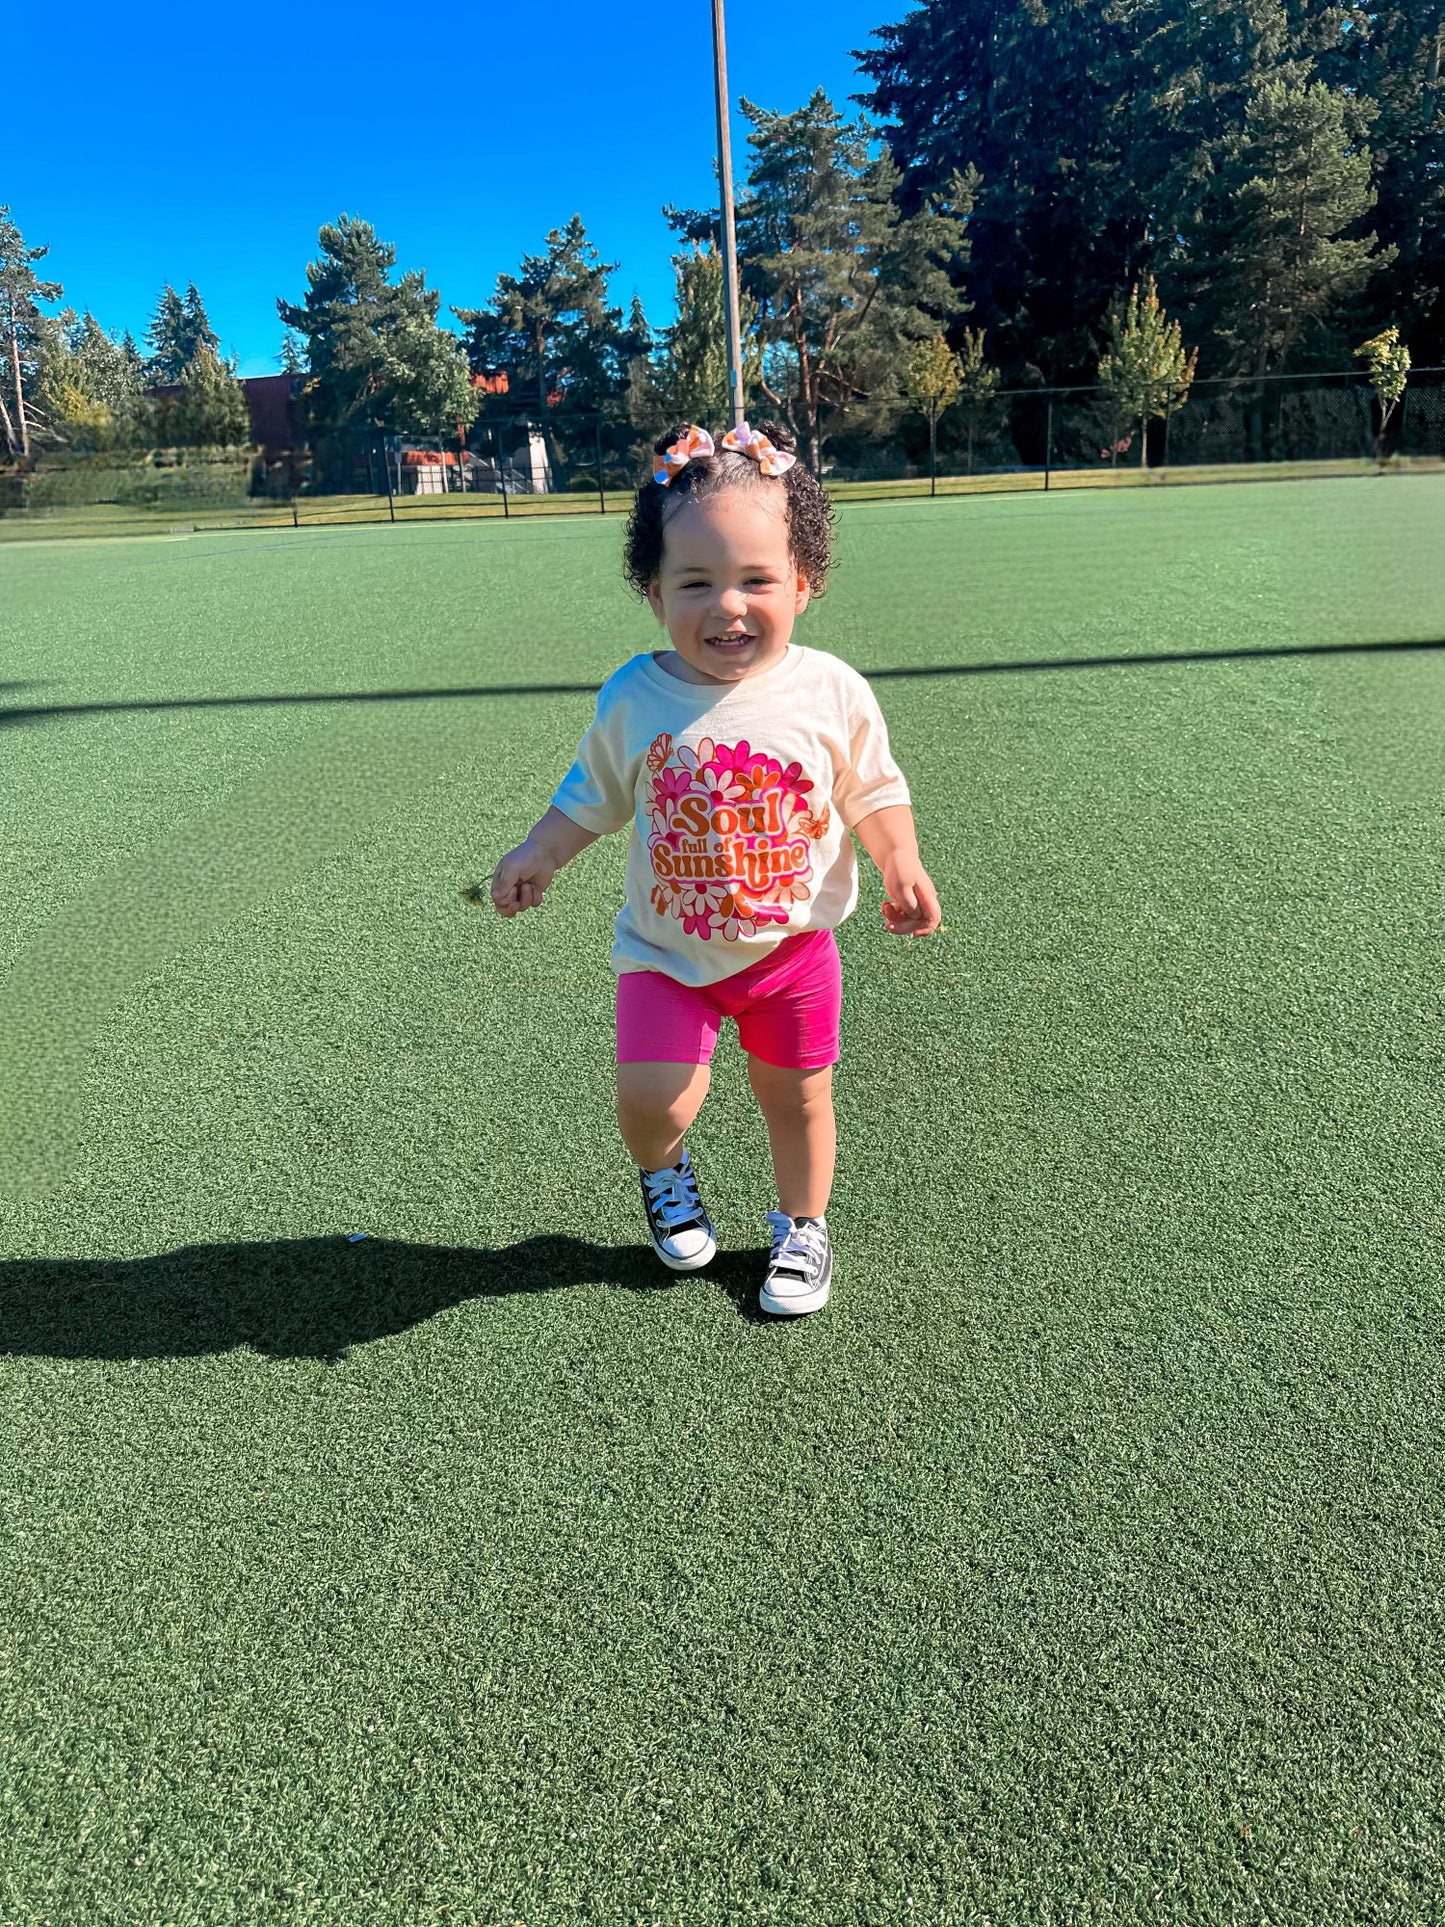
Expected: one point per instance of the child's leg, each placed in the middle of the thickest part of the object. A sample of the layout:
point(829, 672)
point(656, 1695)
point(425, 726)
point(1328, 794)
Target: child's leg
point(655, 1105)
point(798, 1109)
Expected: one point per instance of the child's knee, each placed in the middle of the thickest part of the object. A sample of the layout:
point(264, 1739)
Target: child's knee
point(660, 1093)
point(800, 1093)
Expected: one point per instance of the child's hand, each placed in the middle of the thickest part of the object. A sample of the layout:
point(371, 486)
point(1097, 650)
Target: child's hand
point(520, 880)
point(910, 909)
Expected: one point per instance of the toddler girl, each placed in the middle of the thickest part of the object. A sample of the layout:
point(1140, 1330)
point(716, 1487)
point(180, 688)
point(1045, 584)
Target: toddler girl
point(742, 761)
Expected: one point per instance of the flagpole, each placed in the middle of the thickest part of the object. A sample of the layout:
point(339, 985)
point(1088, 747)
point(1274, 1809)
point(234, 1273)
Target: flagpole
point(729, 224)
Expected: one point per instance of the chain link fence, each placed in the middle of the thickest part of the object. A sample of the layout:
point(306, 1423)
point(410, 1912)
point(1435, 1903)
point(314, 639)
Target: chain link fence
point(513, 462)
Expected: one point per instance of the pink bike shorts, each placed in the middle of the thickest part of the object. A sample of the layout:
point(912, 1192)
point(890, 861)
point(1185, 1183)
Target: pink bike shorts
point(787, 1009)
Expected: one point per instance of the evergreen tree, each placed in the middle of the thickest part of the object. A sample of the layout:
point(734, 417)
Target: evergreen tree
point(844, 281)
point(22, 332)
point(688, 379)
point(1080, 122)
point(550, 330)
point(549, 327)
point(197, 332)
point(372, 345)
point(1270, 260)
point(168, 338)
point(210, 411)
point(1394, 56)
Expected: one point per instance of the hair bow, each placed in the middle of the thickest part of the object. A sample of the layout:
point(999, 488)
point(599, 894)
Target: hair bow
point(692, 441)
point(771, 460)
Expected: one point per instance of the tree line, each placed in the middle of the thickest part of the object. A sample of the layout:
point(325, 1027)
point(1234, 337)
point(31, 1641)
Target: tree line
point(1032, 195)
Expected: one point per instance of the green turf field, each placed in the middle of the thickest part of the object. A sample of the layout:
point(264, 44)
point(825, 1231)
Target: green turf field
point(1081, 1563)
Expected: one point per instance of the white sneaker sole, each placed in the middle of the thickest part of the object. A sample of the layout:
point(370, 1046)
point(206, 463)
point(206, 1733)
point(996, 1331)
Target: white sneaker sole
point(695, 1263)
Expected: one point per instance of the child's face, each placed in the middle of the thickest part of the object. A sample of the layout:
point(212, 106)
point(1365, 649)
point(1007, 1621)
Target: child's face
point(728, 589)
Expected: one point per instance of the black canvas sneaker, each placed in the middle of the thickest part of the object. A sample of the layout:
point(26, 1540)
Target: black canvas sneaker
point(682, 1233)
point(800, 1269)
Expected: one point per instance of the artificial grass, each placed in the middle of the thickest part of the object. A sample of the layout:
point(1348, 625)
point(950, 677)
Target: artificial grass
point(1080, 1563)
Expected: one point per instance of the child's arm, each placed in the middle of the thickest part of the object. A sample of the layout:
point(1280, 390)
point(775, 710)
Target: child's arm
point(910, 908)
point(520, 880)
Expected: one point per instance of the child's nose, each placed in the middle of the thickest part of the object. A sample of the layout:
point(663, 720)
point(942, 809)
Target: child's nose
point(734, 602)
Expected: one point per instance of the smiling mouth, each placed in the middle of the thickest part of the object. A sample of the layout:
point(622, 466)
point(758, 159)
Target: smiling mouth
point(729, 642)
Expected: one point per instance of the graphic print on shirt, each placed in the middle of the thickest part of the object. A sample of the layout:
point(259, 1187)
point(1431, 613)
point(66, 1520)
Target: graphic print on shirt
point(732, 837)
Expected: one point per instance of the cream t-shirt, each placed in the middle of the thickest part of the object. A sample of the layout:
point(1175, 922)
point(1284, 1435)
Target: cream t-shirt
point(740, 797)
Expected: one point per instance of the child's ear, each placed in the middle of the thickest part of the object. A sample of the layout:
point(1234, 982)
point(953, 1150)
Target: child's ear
point(804, 591)
point(654, 596)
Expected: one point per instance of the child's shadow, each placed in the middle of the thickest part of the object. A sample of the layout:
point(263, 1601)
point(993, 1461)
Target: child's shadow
point(309, 1297)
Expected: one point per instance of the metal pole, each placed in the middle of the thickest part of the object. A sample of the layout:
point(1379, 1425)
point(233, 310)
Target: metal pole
point(933, 446)
point(386, 464)
point(729, 224)
point(501, 475)
point(601, 495)
point(1168, 417)
point(1049, 444)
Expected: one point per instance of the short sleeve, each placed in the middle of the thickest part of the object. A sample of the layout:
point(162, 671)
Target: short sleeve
point(597, 792)
point(872, 780)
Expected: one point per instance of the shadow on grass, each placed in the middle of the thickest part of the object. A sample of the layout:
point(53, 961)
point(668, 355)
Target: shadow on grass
point(310, 1297)
point(53, 713)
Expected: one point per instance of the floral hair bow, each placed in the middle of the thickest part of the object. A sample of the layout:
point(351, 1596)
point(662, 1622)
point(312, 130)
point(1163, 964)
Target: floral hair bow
point(771, 460)
point(693, 441)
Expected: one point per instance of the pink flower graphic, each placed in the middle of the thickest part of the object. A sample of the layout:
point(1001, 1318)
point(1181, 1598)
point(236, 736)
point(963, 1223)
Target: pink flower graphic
point(669, 786)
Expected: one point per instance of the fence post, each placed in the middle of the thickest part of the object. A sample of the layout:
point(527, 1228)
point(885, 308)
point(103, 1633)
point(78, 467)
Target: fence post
point(386, 464)
point(601, 491)
point(501, 476)
point(1049, 444)
point(1168, 417)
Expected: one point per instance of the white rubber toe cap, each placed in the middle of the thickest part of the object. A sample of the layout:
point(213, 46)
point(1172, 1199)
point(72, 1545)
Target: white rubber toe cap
point(687, 1250)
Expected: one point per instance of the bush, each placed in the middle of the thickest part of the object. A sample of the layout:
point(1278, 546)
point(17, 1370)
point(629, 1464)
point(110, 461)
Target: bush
point(202, 478)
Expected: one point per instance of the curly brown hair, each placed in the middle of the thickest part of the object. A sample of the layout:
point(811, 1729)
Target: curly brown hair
point(809, 512)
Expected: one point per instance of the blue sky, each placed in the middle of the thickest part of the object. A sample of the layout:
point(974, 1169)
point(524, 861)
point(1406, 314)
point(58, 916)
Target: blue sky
point(210, 148)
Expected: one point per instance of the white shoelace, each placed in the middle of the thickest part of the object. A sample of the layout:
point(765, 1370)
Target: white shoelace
point(796, 1247)
point(674, 1196)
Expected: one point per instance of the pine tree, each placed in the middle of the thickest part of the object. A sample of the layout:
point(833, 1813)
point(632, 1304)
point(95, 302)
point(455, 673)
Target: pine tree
point(196, 330)
point(844, 281)
point(1272, 259)
point(22, 329)
point(550, 329)
point(550, 326)
point(210, 411)
point(1394, 56)
point(691, 373)
point(168, 337)
point(1080, 122)
point(374, 351)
